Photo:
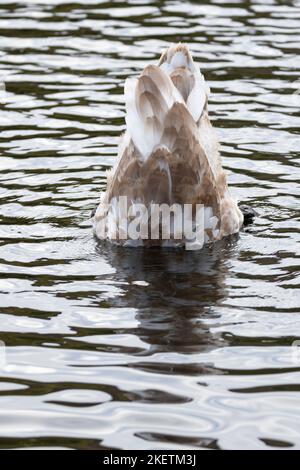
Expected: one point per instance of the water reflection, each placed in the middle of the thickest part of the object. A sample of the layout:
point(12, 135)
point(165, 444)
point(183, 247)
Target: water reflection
point(172, 291)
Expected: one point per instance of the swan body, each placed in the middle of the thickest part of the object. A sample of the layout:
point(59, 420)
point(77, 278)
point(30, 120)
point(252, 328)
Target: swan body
point(169, 154)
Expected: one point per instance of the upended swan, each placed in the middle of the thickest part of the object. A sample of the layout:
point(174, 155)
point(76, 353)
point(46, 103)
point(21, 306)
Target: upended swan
point(169, 155)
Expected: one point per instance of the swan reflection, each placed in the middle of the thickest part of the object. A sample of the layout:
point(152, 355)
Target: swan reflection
point(173, 291)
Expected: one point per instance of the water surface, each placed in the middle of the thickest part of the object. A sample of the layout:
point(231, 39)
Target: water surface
point(116, 348)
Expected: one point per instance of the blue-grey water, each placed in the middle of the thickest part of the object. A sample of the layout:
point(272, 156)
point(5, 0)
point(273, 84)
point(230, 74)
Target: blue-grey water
point(129, 349)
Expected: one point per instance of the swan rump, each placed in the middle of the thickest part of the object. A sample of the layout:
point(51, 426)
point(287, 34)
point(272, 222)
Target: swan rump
point(169, 157)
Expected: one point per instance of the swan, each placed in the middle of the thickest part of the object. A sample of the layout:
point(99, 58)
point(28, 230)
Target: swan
point(169, 154)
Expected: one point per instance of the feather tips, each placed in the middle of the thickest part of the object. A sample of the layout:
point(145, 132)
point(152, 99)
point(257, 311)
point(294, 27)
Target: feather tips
point(148, 100)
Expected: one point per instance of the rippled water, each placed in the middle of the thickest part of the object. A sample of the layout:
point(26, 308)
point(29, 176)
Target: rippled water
point(117, 348)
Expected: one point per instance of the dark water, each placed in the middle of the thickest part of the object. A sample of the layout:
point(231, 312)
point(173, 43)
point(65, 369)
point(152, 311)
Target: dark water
point(116, 348)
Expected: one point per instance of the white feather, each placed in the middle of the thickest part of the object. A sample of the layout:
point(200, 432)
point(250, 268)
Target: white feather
point(135, 126)
point(197, 97)
point(144, 134)
point(179, 59)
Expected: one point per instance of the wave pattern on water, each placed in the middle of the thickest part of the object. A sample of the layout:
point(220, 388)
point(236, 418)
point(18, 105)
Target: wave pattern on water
point(114, 348)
